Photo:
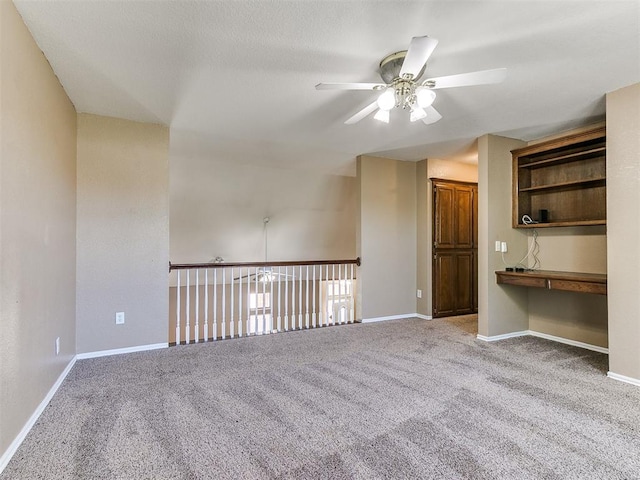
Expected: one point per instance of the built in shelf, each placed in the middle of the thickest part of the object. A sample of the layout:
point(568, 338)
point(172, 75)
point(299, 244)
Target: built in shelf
point(568, 223)
point(592, 182)
point(572, 157)
point(562, 181)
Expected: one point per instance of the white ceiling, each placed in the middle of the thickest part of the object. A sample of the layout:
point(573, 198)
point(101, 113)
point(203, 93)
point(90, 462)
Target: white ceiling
point(235, 79)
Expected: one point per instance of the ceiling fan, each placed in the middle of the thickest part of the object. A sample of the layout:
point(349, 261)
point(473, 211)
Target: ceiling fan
point(402, 88)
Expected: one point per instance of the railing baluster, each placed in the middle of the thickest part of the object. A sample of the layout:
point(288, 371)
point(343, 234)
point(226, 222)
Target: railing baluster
point(196, 333)
point(215, 303)
point(232, 320)
point(293, 298)
point(264, 287)
point(286, 299)
point(255, 316)
point(341, 302)
point(279, 288)
point(326, 304)
point(300, 298)
point(307, 317)
point(187, 322)
point(352, 297)
point(320, 288)
point(206, 305)
point(271, 304)
point(224, 303)
point(333, 292)
point(240, 304)
point(178, 311)
point(313, 310)
point(249, 301)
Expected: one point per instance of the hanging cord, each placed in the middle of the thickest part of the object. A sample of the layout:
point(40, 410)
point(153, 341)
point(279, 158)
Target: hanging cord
point(533, 251)
point(265, 221)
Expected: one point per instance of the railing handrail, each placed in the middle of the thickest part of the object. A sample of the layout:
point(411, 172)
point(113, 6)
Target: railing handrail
point(186, 266)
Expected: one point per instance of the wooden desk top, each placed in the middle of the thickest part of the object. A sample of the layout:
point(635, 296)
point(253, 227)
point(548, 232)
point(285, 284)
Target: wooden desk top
point(556, 280)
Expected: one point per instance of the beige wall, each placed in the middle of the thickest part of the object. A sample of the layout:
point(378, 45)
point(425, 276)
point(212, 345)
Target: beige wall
point(501, 309)
point(217, 209)
point(122, 233)
point(579, 317)
point(448, 170)
point(37, 226)
point(623, 224)
point(387, 237)
point(573, 249)
point(433, 168)
point(423, 240)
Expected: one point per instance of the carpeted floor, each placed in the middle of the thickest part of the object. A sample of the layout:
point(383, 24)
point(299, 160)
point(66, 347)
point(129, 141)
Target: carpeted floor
point(400, 399)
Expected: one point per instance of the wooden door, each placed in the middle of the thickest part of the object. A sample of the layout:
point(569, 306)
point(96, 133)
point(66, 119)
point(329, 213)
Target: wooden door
point(455, 238)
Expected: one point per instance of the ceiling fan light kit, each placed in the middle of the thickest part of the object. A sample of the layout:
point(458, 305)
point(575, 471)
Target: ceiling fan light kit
point(387, 100)
point(401, 72)
point(417, 113)
point(425, 96)
point(382, 115)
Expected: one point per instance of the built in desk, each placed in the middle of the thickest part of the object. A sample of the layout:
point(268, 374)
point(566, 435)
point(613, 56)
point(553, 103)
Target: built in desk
point(553, 280)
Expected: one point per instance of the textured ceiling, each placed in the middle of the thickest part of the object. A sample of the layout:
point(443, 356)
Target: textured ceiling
point(235, 79)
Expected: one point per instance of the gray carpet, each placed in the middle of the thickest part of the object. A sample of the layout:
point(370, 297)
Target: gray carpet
point(399, 399)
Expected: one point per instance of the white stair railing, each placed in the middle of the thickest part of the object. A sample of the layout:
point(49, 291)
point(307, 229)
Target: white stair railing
point(212, 301)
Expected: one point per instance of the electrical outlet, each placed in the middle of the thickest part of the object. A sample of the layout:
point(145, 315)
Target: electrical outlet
point(419, 293)
point(119, 318)
point(503, 247)
point(57, 345)
point(498, 246)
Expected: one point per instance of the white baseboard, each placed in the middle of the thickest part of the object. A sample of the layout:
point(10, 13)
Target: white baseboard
point(6, 456)
point(546, 336)
point(504, 336)
point(567, 341)
point(395, 317)
point(424, 317)
point(622, 378)
point(118, 351)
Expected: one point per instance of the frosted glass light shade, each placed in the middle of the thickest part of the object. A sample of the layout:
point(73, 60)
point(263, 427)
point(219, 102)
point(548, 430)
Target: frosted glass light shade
point(425, 97)
point(417, 113)
point(382, 115)
point(387, 100)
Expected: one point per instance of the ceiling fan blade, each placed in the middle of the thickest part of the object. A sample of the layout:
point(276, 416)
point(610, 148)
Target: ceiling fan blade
point(419, 52)
point(369, 109)
point(482, 77)
point(432, 116)
point(350, 86)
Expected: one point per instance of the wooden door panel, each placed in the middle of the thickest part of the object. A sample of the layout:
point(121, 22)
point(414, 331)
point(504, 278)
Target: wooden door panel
point(444, 225)
point(464, 282)
point(475, 281)
point(475, 217)
point(464, 217)
point(444, 285)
